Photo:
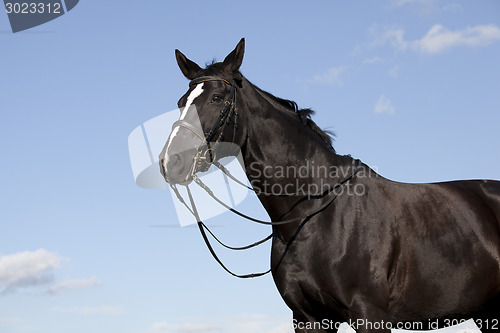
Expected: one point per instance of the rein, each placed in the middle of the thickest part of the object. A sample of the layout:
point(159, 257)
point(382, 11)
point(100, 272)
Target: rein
point(306, 217)
point(222, 121)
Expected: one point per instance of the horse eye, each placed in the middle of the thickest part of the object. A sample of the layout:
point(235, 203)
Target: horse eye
point(216, 98)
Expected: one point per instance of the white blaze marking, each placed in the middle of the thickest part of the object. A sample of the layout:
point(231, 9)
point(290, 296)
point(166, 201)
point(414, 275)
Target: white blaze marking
point(197, 91)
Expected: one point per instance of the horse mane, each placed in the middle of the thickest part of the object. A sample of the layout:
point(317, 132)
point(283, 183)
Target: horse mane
point(305, 115)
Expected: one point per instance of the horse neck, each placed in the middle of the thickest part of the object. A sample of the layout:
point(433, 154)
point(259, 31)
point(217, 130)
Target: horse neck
point(286, 158)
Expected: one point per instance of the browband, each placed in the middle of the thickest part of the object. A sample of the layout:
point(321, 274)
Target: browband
point(206, 79)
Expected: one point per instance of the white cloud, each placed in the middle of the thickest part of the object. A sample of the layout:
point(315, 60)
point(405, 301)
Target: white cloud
point(9, 320)
point(159, 326)
point(36, 269)
point(429, 5)
point(384, 105)
point(422, 7)
point(331, 76)
point(437, 39)
point(373, 60)
point(400, 3)
point(163, 327)
point(89, 310)
point(74, 284)
point(394, 71)
point(28, 269)
point(189, 327)
point(283, 328)
point(453, 7)
point(393, 36)
point(240, 324)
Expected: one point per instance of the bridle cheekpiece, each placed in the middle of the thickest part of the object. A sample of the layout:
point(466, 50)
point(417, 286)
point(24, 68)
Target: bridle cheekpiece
point(208, 155)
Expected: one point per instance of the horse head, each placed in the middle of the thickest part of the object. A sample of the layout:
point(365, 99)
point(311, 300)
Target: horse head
point(207, 129)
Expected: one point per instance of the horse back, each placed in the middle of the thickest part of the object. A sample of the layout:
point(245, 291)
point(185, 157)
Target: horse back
point(446, 245)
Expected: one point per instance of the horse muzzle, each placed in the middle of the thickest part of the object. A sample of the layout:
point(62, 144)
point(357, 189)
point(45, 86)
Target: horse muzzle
point(180, 168)
point(176, 170)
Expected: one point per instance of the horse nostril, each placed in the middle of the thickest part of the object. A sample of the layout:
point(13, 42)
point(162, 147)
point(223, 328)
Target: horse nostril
point(175, 164)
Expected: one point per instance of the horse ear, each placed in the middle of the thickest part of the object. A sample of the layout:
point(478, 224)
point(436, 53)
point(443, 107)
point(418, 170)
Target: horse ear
point(234, 59)
point(188, 67)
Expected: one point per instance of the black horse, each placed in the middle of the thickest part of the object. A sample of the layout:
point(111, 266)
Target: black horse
point(380, 254)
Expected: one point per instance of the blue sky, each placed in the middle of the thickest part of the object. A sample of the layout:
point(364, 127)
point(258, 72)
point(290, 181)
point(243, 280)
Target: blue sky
point(411, 87)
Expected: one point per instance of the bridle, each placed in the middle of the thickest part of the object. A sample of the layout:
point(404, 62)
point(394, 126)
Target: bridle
point(220, 124)
point(224, 119)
